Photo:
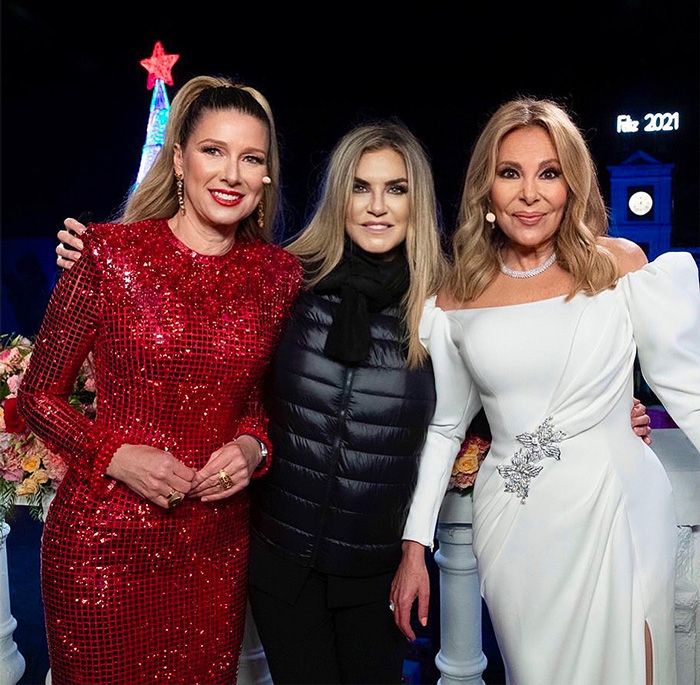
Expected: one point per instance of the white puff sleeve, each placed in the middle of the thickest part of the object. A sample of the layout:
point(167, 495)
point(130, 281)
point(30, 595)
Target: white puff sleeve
point(664, 305)
point(457, 403)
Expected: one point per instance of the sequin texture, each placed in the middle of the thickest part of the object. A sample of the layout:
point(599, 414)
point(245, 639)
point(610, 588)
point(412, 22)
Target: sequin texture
point(134, 593)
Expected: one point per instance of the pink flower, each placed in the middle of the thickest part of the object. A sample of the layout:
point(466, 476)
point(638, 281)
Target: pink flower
point(13, 383)
point(10, 355)
point(14, 475)
point(10, 466)
point(90, 385)
point(55, 467)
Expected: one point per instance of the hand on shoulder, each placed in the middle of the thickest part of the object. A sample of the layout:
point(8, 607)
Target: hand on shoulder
point(70, 245)
point(629, 256)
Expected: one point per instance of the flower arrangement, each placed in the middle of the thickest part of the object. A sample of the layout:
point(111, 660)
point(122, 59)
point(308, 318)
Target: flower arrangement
point(27, 467)
point(467, 462)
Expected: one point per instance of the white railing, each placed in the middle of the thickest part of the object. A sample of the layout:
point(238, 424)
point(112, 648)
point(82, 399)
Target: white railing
point(11, 661)
point(460, 658)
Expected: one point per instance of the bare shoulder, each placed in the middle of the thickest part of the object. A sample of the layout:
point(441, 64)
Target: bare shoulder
point(629, 256)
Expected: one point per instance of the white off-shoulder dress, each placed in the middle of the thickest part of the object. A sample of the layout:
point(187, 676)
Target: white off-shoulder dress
point(574, 526)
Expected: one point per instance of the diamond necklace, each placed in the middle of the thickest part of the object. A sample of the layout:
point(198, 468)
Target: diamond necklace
point(530, 272)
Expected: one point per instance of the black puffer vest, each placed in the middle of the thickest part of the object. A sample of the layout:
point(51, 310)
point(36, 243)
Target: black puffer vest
point(346, 445)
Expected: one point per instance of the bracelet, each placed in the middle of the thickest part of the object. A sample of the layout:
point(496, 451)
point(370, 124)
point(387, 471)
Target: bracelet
point(263, 448)
point(263, 452)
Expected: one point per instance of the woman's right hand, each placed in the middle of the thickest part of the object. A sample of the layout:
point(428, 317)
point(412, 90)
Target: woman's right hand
point(70, 236)
point(151, 473)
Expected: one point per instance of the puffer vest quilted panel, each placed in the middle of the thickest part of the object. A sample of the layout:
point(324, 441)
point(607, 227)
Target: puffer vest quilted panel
point(346, 445)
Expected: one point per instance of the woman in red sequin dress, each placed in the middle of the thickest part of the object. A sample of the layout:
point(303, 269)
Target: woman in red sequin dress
point(181, 306)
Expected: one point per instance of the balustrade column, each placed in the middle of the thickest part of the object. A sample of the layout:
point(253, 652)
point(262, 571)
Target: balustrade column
point(461, 659)
point(12, 663)
point(253, 669)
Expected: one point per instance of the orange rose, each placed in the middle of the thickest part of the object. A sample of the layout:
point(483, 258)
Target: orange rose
point(27, 487)
point(31, 463)
point(40, 476)
point(468, 462)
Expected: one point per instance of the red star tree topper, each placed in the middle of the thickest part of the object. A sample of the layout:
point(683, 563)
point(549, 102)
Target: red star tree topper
point(158, 65)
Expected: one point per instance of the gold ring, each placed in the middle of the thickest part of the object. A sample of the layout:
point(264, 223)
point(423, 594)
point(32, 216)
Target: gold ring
point(174, 498)
point(225, 480)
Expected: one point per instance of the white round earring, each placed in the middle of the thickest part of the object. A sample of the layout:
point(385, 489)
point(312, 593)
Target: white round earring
point(266, 180)
point(491, 219)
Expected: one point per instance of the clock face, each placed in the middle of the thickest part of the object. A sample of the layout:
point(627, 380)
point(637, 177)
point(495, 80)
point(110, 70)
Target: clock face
point(640, 203)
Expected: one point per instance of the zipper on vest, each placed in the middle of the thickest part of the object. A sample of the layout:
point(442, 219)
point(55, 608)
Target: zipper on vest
point(335, 454)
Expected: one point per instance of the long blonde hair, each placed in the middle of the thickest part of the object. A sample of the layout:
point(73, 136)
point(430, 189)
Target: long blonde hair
point(476, 245)
point(156, 195)
point(320, 244)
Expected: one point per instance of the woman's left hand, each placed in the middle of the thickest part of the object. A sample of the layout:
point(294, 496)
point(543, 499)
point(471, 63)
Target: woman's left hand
point(641, 421)
point(228, 470)
point(411, 583)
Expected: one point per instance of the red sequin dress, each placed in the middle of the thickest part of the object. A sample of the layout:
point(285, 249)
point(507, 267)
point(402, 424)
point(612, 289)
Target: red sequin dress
point(134, 593)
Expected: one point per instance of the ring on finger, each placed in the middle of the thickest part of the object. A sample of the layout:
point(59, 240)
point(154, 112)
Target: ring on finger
point(174, 498)
point(225, 480)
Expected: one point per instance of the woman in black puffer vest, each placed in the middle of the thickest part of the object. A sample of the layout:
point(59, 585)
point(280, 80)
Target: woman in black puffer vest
point(350, 397)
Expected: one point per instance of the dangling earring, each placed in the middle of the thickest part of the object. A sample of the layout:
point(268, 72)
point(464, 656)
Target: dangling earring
point(261, 216)
point(491, 219)
point(180, 186)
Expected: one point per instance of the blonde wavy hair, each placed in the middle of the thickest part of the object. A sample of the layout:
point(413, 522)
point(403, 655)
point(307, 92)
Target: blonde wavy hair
point(475, 244)
point(320, 244)
point(156, 195)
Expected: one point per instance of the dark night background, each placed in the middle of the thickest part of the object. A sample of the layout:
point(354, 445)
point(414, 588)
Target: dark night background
point(75, 108)
point(75, 104)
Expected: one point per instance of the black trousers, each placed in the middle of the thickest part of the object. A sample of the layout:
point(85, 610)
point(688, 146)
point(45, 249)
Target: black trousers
point(313, 640)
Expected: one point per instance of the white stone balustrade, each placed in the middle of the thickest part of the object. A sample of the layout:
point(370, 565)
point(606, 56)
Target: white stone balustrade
point(460, 658)
point(11, 661)
point(252, 669)
point(682, 463)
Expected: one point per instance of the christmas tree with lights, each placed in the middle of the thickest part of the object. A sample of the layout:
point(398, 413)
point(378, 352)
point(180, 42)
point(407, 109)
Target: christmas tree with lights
point(158, 66)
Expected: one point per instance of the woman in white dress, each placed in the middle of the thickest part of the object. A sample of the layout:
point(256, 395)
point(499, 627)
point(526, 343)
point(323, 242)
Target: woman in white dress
point(539, 323)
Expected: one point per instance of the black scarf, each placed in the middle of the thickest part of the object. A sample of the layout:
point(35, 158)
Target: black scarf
point(366, 283)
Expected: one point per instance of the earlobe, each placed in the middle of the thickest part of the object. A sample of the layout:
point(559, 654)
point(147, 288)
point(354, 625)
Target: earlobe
point(177, 159)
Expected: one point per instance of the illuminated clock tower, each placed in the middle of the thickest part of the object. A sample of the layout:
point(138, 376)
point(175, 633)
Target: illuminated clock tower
point(641, 202)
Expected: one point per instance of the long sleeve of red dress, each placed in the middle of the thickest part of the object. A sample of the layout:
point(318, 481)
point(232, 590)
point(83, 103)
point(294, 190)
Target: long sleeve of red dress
point(66, 337)
point(181, 342)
